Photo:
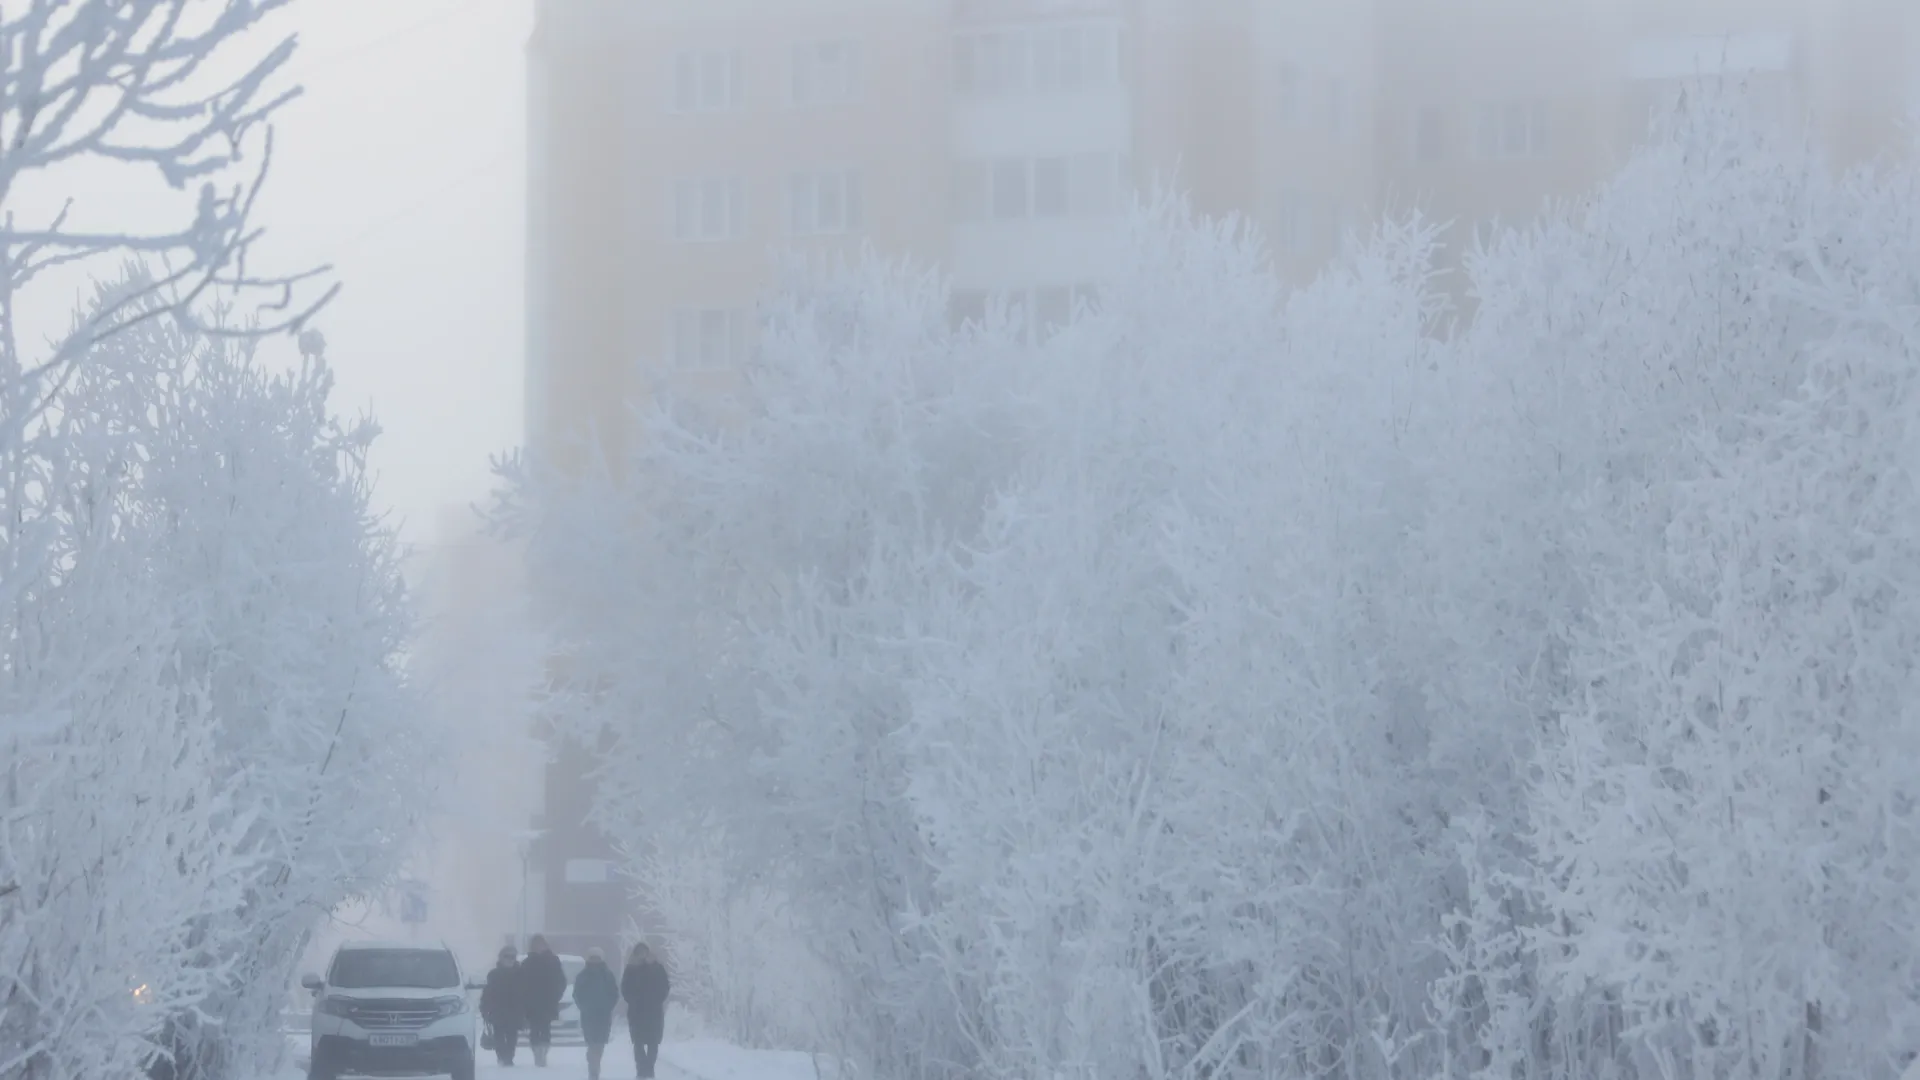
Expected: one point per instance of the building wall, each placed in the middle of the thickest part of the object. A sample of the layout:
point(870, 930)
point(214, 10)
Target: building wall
point(887, 136)
point(1484, 117)
point(1316, 104)
point(575, 286)
point(1579, 81)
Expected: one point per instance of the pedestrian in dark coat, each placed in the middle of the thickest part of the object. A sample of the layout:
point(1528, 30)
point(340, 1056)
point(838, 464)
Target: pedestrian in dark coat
point(501, 1006)
point(544, 983)
point(595, 993)
point(645, 986)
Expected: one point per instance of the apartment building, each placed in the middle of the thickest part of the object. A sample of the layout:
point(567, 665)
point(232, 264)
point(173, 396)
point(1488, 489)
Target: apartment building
point(676, 145)
point(1488, 112)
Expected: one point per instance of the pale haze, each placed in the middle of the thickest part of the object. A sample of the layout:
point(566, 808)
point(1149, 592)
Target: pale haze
point(402, 165)
point(960, 540)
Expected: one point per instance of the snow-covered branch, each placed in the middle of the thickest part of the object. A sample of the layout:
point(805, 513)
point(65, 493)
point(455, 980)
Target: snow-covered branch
point(151, 92)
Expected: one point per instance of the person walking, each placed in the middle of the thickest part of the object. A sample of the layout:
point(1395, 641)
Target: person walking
point(645, 986)
point(543, 983)
point(595, 993)
point(501, 1006)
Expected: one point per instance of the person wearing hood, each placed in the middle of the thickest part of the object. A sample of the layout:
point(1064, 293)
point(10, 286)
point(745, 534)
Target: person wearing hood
point(501, 1006)
point(543, 984)
point(645, 986)
point(595, 993)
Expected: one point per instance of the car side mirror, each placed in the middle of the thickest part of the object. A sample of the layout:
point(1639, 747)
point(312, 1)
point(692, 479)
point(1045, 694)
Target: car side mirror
point(312, 982)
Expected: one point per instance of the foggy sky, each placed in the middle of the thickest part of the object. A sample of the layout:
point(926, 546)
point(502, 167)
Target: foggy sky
point(402, 165)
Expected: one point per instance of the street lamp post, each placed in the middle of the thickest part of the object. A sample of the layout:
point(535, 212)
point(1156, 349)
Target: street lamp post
point(523, 840)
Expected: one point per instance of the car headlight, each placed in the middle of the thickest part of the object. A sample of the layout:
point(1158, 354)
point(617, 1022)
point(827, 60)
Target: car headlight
point(451, 1006)
point(333, 1007)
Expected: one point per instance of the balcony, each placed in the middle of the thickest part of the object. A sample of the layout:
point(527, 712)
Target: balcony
point(1041, 87)
point(1077, 123)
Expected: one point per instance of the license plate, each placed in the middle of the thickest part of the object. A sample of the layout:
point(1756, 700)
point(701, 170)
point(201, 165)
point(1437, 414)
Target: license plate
point(392, 1040)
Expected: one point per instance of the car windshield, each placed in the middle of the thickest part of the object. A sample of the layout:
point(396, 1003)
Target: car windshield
point(424, 969)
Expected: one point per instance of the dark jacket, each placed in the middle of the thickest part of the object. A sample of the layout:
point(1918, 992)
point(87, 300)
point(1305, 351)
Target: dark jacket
point(595, 994)
point(645, 987)
point(501, 1003)
point(542, 984)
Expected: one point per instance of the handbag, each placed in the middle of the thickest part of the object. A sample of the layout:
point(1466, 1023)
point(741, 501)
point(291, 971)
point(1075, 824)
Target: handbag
point(486, 1037)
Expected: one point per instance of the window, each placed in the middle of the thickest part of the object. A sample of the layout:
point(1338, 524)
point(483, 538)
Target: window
point(824, 203)
point(412, 969)
point(1511, 129)
point(967, 307)
point(1010, 202)
point(1429, 135)
point(1060, 58)
point(1050, 188)
point(707, 339)
point(1056, 60)
point(1052, 311)
point(992, 64)
point(1017, 189)
point(826, 72)
point(707, 80)
point(709, 209)
point(1067, 58)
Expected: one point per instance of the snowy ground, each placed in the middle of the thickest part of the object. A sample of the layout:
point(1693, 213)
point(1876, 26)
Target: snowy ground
point(685, 1059)
point(697, 1059)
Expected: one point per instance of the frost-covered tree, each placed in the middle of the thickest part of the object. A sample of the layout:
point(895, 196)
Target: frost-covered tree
point(879, 424)
point(299, 620)
point(242, 697)
point(1668, 313)
point(942, 631)
point(207, 739)
point(1248, 684)
point(1725, 822)
point(116, 841)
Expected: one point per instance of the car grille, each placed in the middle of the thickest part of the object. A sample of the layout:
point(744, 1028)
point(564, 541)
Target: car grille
point(393, 1015)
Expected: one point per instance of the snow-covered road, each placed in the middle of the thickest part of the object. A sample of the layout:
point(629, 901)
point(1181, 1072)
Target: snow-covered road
point(568, 1063)
point(685, 1059)
point(692, 1059)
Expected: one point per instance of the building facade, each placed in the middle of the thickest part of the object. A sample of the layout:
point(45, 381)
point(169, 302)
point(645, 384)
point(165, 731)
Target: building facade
point(675, 145)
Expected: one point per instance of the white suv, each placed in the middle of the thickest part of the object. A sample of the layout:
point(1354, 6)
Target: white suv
point(392, 1009)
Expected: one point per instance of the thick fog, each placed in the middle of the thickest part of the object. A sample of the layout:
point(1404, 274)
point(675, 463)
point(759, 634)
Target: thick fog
point(960, 539)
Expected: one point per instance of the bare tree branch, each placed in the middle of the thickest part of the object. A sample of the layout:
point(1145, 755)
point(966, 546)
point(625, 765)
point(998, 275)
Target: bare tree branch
point(129, 82)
